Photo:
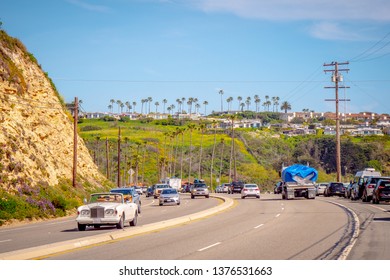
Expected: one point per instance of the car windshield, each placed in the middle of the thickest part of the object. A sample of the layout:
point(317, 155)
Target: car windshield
point(200, 186)
point(123, 191)
point(162, 186)
point(169, 191)
point(250, 186)
point(106, 197)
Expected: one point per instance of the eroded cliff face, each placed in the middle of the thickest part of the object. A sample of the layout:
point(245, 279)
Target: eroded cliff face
point(36, 132)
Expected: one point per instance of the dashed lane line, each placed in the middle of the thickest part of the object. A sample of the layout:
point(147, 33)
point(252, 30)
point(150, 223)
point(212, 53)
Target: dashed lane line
point(208, 247)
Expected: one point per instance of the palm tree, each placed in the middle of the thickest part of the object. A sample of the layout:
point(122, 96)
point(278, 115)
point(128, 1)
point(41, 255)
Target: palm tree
point(157, 104)
point(220, 165)
point(122, 106)
point(257, 101)
point(242, 105)
point(239, 99)
point(277, 98)
point(221, 93)
point(118, 102)
point(110, 107)
point(189, 103)
point(285, 106)
point(202, 128)
point(143, 101)
point(134, 104)
point(150, 101)
point(213, 125)
point(112, 101)
point(229, 101)
point(190, 128)
point(164, 102)
point(197, 107)
point(248, 102)
point(205, 103)
point(233, 151)
point(128, 106)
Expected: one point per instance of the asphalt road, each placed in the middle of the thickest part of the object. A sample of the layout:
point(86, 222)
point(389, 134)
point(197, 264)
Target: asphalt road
point(42, 233)
point(253, 229)
point(269, 229)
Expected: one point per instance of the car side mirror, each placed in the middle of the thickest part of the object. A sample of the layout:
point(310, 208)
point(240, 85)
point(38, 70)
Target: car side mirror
point(85, 201)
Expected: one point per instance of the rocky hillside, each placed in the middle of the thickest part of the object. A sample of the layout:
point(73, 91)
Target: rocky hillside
point(36, 133)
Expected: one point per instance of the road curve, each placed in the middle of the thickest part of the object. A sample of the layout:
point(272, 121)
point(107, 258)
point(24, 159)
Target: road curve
point(269, 229)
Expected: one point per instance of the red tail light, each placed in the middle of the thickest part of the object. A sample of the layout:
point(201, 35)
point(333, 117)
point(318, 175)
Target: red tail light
point(371, 186)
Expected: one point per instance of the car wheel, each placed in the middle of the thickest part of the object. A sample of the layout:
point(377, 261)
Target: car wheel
point(133, 223)
point(192, 197)
point(139, 208)
point(242, 197)
point(121, 223)
point(178, 203)
point(81, 227)
point(258, 197)
point(207, 196)
point(96, 226)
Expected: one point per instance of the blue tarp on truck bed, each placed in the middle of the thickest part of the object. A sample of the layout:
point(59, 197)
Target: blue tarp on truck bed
point(299, 172)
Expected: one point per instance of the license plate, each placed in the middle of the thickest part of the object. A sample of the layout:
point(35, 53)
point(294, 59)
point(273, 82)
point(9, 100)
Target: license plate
point(97, 220)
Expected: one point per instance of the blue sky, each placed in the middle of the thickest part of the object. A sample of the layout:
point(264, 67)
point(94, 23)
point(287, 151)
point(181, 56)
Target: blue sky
point(129, 50)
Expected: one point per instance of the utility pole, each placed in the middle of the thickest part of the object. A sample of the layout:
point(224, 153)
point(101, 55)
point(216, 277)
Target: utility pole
point(336, 78)
point(119, 158)
point(75, 119)
point(107, 161)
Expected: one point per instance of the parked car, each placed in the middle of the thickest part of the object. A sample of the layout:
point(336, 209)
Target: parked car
point(129, 195)
point(320, 188)
point(138, 189)
point(170, 195)
point(225, 187)
point(218, 189)
point(158, 189)
point(369, 186)
point(106, 209)
point(236, 187)
point(150, 191)
point(355, 191)
point(348, 189)
point(278, 187)
point(200, 189)
point(381, 191)
point(250, 190)
point(335, 188)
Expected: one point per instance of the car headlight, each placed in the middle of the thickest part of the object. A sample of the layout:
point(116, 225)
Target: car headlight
point(84, 212)
point(110, 211)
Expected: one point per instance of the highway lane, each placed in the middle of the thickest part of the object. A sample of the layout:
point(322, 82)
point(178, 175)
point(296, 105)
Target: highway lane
point(373, 242)
point(269, 228)
point(47, 232)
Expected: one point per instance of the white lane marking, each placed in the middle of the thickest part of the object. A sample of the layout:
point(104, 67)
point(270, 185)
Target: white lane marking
point(149, 203)
point(277, 215)
point(379, 208)
point(282, 208)
point(19, 228)
point(355, 235)
point(63, 222)
point(208, 247)
point(259, 226)
point(7, 240)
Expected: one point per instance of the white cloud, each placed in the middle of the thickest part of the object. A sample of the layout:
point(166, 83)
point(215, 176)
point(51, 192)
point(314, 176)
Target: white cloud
point(89, 7)
point(332, 31)
point(376, 10)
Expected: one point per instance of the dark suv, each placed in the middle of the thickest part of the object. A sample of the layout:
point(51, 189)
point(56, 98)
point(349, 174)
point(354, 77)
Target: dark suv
point(335, 188)
point(236, 187)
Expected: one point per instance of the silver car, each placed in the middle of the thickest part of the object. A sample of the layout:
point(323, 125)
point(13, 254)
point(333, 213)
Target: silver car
point(170, 195)
point(320, 188)
point(250, 190)
point(200, 189)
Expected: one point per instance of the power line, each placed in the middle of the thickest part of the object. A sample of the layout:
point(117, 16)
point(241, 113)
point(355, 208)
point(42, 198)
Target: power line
point(366, 54)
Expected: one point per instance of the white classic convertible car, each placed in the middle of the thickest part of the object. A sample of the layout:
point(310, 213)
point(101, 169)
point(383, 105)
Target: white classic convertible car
point(106, 209)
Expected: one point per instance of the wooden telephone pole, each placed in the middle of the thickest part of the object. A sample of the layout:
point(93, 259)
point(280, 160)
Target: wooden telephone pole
point(75, 118)
point(336, 78)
